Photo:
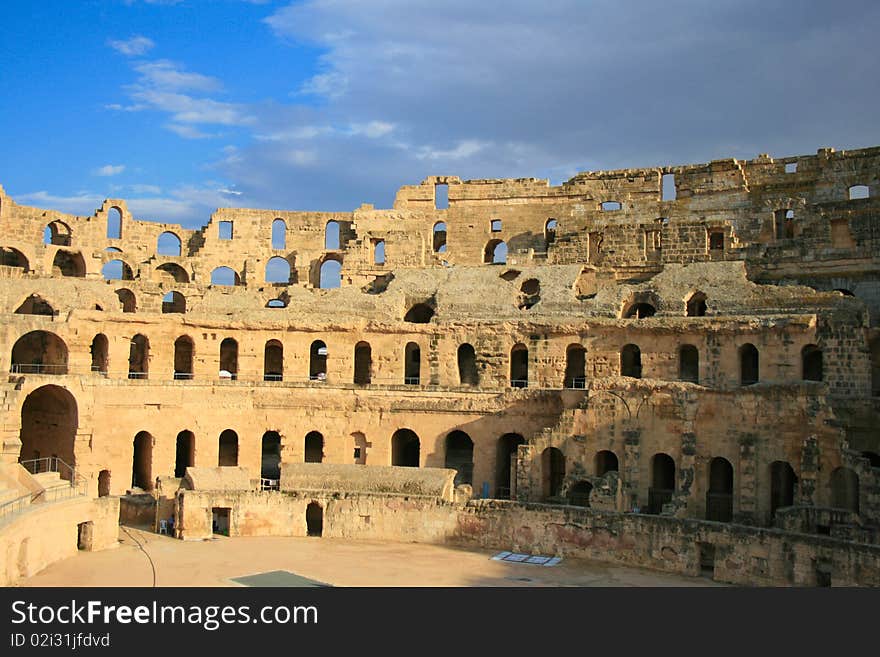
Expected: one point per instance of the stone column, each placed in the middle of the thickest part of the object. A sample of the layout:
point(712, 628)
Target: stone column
point(522, 476)
point(747, 480)
point(631, 454)
point(809, 475)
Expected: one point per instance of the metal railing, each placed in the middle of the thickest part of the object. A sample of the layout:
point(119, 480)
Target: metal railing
point(38, 368)
point(269, 484)
point(76, 486)
point(519, 383)
point(138, 375)
point(411, 380)
point(577, 383)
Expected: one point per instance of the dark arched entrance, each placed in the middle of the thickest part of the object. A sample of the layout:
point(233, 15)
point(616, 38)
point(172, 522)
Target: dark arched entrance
point(460, 456)
point(314, 519)
point(49, 421)
point(405, 448)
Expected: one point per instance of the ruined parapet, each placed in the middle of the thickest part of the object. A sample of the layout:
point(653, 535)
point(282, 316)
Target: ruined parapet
point(226, 478)
point(376, 479)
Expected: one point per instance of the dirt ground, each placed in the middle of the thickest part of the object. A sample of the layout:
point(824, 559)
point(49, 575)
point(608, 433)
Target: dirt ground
point(332, 561)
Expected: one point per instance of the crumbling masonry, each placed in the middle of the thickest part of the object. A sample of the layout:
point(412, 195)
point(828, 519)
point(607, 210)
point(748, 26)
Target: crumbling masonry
point(679, 347)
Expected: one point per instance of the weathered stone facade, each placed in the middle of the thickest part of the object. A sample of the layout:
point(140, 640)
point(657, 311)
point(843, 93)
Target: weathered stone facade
point(717, 348)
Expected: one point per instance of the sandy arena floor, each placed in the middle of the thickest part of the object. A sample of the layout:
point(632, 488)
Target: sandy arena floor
point(333, 561)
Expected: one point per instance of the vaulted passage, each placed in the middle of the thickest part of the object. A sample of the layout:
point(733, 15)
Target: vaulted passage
point(69, 263)
point(519, 366)
point(185, 453)
point(39, 352)
point(227, 452)
point(631, 361)
point(748, 365)
point(460, 456)
point(405, 448)
point(139, 357)
point(662, 482)
point(313, 450)
point(782, 485)
point(689, 363)
point(99, 351)
point(35, 305)
point(412, 364)
point(606, 461)
point(505, 465)
point(229, 359)
point(142, 462)
point(183, 357)
point(552, 472)
point(314, 519)
point(318, 361)
point(811, 363)
point(575, 367)
point(273, 361)
point(49, 421)
point(719, 497)
point(270, 456)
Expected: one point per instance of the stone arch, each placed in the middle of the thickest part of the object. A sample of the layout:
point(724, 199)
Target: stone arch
point(689, 363)
point(640, 305)
point(12, 257)
point(313, 449)
point(49, 422)
point(278, 270)
point(605, 462)
point(552, 472)
point(420, 313)
point(405, 448)
point(459, 449)
point(174, 302)
point(719, 497)
point(331, 236)
point(225, 276)
point(99, 350)
point(330, 274)
point(439, 237)
point(495, 252)
point(782, 486)
point(519, 366)
point(34, 304)
point(142, 461)
point(116, 270)
point(314, 519)
point(318, 361)
point(114, 223)
point(270, 456)
point(184, 350)
point(68, 263)
point(139, 357)
point(273, 361)
point(184, 452)
point(467, 365)
point(575, 366)
point(169, 244)
point(412, 364)
point(662, 482)
point(631, 361)
point(39, 352)
point(695, 306)
point(127, 299)
point(749, 365)
point(363, 363)
point(227, 448)
point(279, 234)
point(229, 359)
point(579, 493)
point(57, 233)
point(173, 272)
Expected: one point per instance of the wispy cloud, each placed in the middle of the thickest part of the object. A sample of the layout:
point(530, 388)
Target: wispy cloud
point(134, 46)
point(110, 170)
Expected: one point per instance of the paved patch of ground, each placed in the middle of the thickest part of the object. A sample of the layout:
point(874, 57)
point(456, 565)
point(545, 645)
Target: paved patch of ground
point(336, 562)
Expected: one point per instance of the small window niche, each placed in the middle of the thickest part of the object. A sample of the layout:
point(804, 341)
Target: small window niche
point(441, 196)
point(716, 240)
point(858, 192)
point(378, 252)
point(791, 167)
point(224, 230)
point(496, 225)
point(611, 206)
point(668, 187)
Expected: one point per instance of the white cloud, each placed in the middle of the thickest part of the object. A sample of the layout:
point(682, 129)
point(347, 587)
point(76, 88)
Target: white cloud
point(463, 149)
point(136, 45)
point(167, 75)
point(188, 131)
point(110, 170)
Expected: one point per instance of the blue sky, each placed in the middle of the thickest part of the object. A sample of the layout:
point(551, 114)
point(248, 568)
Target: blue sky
point(183, 106)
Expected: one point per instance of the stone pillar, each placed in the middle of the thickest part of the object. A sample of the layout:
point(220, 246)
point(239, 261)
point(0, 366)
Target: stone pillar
point(631, 454)
point(809, 474)
point(747, 480)
point(523, 478)
point(686, 473)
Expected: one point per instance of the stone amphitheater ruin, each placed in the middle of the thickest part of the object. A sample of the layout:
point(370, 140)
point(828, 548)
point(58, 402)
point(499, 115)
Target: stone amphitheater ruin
point(674, 367)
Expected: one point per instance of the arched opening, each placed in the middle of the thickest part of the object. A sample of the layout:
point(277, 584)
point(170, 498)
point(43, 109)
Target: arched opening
point(782, 483)
point(39, 352)
point(168, 244)
point(174, 302)
point(811, 363)
point(505, 464)
point(579, 494)
point(605, 462)
point(270, 456)
point(227, 452)
point(127, 299)
point(183, 358)
point(57, 233)
point(530, 294)
point(378, 252)
point(575, 367)
point(719, 497)
point(278, 270)
point(318, 361)
point(845, 489)
point(273, 361)
point(859, 191)
point(142, 462)
point(171, 272)
point(783, 223)
point(229, 359)
point(314, 519)
point(550, 231)
point(185, 453)
point(225, 276)
point(314, 447)
point(460, 456)
point(631, 361)
point(360, 447)
point(467, 365)
point(331, 274)
point(35, 305)
point(875, 367)
point(412, 364)
point(696, 305)
point(116, 270)
point(405, 448)
point(279, 234)
point(104, 483)
point(67, 263)
point(114, 224)
point(495, 253)
point(689, 363)
point(331, 236)
point(139, 357)
point(49, 421)
point(99, 351)
point(552, 472)
point(519, 366)
point(10, 257)
point(748, 365)
point(639, 310)
point(662, 482)
point(363, 363)
point(421, 313)
point(439, 238)
point(276, 303)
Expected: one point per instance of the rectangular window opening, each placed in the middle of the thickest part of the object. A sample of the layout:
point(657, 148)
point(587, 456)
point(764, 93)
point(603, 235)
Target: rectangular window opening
point(441, 196)
point(668, 186)
point(225, 230)
point(791, 167)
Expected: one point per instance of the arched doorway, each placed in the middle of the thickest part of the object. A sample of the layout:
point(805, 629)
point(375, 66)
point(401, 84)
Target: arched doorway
point(227, 453)
point(39, 352)
point(460, 456)
point(103, 483)
point(142, 462)
point(405, 448)
point(662, 482)
point(467, 365)
point(505, 465)
point(314, 519)
point(552, 471)
point(782, 485)
point(363, 363)
point(273, 361)
point(270, 461)
point(49, 420)
point(314, 447)
point(719, 497)
point(606, 461)
point(575, 367)
point(185, 453)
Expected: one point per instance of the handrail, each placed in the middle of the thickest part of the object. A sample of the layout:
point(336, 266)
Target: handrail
point(78, 486)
